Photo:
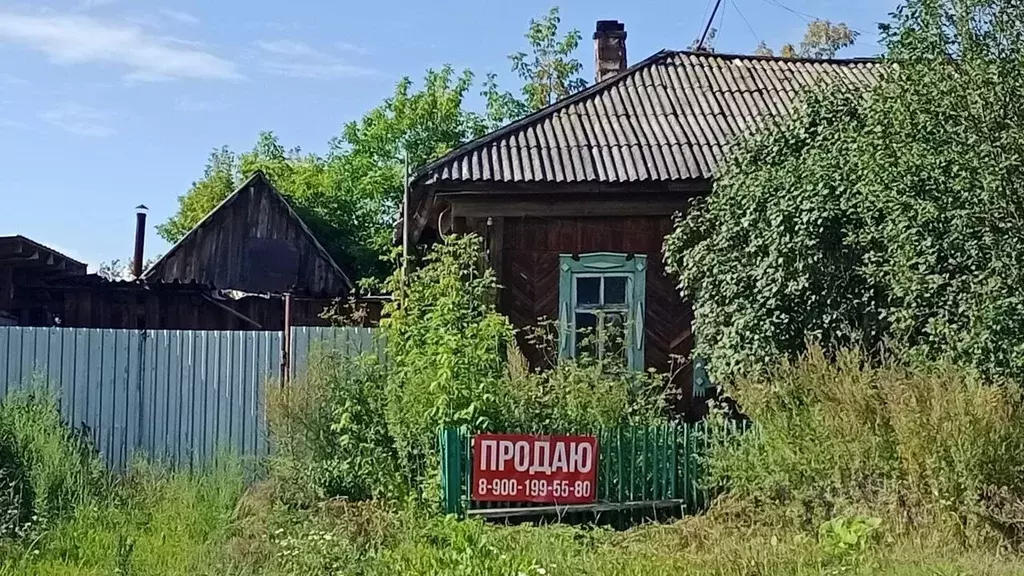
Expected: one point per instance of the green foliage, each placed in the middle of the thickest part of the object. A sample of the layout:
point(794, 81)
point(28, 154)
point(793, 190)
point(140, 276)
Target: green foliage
point(445, 344)
point(15, 491)
point(822, 41)
point(889, 217)
point(154, 523)
point(118, 269)
point(43, 460)
point(358, 428)
point(579, 394)
point(549, 72)
point(844, 535)
point(330, 435)
point(351, 197)
point(148, 523)
point(774, 236)
point(220, 178)
point(911, 445)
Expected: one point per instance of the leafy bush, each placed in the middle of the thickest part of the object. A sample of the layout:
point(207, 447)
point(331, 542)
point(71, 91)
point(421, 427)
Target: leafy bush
point(363, 428)
point(44, 458)
point(577, 395)
point(913, 445)
point(446, 346)
point(883, 216)
point(330, 434)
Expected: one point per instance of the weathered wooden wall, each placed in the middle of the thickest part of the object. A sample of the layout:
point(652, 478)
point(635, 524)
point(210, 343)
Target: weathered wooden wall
point(122, 305)
point(528, 264)
point(254, 243)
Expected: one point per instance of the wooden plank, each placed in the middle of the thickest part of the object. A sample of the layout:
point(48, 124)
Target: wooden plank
point(556, 206)
point(490, 513)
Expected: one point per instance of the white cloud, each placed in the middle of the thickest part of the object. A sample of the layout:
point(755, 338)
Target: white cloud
point(348, 47)
point(300, 60)
point(179, 16)
point(79, 120)
point(290, 48)
point(73, 39)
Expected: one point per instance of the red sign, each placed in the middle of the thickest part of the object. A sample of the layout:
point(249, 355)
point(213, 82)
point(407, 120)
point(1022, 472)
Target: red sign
point(548, 469)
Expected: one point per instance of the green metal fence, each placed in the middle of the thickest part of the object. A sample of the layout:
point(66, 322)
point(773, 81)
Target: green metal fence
point(638, 467)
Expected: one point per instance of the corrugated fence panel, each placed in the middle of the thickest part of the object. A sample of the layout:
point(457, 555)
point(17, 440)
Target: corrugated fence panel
point(179, 397)
point(308, 340)
point(203, 392)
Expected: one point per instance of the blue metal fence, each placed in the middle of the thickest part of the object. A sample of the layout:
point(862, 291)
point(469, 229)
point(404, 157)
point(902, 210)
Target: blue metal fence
point(179, 397)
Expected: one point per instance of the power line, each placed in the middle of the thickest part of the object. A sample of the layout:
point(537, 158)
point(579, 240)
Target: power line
point(706, 8)
point(757, 38)
point(721, 26)
point(808, 18)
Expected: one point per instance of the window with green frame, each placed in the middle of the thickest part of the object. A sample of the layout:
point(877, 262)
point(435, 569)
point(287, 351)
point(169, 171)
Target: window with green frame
point(601, 303)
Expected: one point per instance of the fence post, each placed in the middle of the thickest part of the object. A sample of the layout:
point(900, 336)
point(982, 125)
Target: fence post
point(451, 470)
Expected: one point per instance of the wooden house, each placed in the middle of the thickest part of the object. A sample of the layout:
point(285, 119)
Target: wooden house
point(230, 272)
point(575, 200)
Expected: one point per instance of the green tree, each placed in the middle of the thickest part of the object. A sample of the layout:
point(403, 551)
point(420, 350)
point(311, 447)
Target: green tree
point(549, 72)
point(890, 215)
point(822, 40)
point(351, 197)
point(218, 181)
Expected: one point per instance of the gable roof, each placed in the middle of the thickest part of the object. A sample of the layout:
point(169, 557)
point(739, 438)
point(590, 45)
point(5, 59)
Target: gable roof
point(258, 182)
point(667, 118)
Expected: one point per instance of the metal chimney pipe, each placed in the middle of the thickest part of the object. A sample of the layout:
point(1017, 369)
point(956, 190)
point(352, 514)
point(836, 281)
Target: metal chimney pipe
point(140, 240)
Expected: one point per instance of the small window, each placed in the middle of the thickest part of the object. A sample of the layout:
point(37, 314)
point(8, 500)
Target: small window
point(600, 312)
point(601, 298)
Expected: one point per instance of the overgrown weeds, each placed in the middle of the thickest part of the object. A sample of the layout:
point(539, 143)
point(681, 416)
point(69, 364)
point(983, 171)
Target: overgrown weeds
point(46, 469)
point(360, 428)
point(930, 446)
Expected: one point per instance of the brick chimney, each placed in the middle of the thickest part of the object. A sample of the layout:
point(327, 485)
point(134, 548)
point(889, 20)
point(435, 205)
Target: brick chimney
point(609, 49)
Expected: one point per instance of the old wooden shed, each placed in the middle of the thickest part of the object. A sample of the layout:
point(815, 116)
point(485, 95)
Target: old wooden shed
point(253, 242)
point(575, 200)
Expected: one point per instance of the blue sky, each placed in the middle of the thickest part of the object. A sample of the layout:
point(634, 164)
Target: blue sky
point(105, 104)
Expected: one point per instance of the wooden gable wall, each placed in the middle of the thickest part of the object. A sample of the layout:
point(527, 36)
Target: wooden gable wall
point(253, 242)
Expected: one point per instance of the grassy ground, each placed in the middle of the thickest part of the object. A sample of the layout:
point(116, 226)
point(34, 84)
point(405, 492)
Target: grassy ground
point(176, 525)
point(931, 460)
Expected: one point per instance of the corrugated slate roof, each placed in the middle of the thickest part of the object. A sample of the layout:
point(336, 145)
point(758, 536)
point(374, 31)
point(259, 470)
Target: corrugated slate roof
point(668, 118)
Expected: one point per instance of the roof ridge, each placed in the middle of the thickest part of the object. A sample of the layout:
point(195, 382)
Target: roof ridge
point(775, 58)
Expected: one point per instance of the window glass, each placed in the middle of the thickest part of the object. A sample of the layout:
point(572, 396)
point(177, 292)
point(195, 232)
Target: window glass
point(615, 290)
point(599, 295)
point(588, 292)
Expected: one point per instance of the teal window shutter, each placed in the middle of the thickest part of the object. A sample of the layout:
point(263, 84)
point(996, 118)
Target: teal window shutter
point(701, 381)
point(598, 288)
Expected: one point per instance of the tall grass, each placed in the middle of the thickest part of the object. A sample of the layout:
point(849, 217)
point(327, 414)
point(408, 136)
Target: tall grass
point(931, 445)
point(81, 520)
point(850, 469)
